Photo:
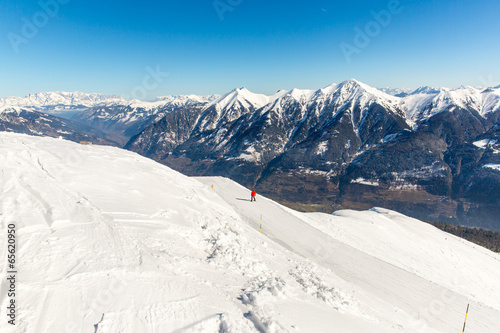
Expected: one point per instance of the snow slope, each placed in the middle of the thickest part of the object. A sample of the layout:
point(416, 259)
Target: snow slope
point(109, 241)
point(409, 264)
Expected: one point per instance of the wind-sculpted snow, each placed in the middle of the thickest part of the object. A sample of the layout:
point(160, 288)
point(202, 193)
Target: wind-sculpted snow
point(109, 241)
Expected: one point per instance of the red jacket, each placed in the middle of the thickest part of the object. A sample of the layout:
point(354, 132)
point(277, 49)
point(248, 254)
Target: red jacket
point(254, 193)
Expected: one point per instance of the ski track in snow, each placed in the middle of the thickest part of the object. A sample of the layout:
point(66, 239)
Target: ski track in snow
point(111, 241)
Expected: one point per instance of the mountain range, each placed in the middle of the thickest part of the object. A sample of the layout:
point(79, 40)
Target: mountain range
point(433, 153)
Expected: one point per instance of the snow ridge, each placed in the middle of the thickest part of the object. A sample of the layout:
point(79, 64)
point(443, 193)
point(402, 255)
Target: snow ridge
point(242, 97)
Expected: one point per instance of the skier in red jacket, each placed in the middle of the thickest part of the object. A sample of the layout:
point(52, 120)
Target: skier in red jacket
point(253, 194)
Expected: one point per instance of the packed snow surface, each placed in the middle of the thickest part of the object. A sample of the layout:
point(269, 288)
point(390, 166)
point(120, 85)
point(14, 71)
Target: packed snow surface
point(109, 241)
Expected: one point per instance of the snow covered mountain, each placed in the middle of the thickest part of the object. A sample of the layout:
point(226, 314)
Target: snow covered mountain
point(230, 107)
point(124, 120)
point(20, 120)
point(428, 90)
point(186, 100)
point(59, 103)
point(322, 106)
point(241, 130)
point(109, 241)
point(418, 105)
point(399, 92)
point(113, 115)
point(427, 102)
point(242, 127)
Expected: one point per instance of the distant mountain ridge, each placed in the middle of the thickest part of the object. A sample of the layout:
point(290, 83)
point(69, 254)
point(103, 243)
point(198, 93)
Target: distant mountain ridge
point(75, 99)
point(399, 92)
point(60, 98)
point(127, 119)
point(67, 104)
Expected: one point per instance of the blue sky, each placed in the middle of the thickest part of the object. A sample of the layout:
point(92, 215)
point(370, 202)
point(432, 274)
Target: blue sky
point(111, 47)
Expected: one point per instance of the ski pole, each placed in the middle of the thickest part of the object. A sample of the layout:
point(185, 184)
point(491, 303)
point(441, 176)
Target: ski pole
point(260, 224)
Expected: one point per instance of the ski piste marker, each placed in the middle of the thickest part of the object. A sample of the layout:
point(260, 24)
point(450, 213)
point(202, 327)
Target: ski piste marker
point(465, 321)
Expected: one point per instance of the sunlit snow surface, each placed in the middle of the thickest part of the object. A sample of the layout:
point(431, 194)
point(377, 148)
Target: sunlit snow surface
point(492, 166)
point(109, 238)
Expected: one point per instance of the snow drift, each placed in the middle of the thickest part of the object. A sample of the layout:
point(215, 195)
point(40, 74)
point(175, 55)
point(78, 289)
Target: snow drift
point(109, 241)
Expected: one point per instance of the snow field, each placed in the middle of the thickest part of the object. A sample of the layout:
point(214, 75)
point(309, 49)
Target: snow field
point(109, 241)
